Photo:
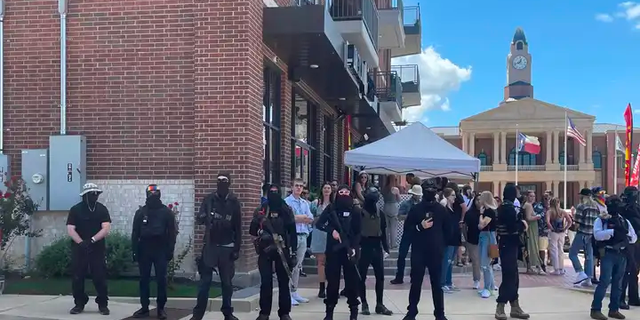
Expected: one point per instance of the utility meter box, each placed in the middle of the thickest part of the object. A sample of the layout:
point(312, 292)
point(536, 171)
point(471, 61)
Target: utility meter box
point(35, 173)
point(5, 172)
point(67, 170)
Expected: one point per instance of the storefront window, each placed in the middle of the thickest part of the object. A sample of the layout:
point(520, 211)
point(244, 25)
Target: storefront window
point(271, 107)
point(302, 139)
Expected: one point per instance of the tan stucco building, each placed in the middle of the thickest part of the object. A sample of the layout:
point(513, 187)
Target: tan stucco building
point(491, 137)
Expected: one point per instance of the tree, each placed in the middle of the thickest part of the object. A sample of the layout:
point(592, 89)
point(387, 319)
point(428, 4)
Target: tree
point(16, 209)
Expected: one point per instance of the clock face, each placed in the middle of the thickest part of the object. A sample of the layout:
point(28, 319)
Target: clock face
point(520, 62)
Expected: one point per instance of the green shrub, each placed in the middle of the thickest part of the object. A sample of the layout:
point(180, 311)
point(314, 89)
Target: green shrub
point(55, 260)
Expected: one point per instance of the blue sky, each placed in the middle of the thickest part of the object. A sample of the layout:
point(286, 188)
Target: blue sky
point(581, 61)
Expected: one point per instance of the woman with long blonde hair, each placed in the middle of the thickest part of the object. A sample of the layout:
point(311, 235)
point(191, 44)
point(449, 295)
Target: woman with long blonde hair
point(558, 222)
point(487, 227)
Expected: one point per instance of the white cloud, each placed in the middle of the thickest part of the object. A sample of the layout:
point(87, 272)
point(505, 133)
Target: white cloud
point(604, 17)
point(438, 77)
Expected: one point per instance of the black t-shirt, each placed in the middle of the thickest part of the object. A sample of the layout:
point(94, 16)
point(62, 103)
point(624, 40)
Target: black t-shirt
point(88, 223)
point(490, 213)
point(455, 216)
point(472, 219)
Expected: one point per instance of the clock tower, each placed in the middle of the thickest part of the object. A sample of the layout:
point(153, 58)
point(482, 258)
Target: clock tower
point(518, 68)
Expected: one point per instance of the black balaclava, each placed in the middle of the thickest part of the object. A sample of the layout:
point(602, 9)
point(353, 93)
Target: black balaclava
point(614, 205)
point(91, 198)
point(371, 198)
point(344, 201)
point(509, 193)
point(429, 190)
point(630, 195)
point(224, 181)
point(274, 198)
point(153, 197)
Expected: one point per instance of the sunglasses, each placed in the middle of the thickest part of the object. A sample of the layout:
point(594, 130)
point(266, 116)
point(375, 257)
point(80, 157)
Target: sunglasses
point(223, 180)
point(344, 192)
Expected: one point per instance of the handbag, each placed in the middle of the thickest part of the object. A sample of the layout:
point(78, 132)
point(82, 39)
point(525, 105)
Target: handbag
point(494, 252)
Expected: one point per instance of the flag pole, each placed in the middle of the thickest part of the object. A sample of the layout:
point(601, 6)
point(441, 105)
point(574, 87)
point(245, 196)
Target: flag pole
point(517, 151)
point(566, 155)
point(615, 165)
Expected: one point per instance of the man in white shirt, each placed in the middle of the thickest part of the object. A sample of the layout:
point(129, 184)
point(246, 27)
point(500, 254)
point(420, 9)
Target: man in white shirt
point(613, 234)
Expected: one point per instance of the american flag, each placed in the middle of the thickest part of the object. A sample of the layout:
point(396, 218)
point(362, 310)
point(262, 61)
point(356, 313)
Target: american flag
point(574, 133)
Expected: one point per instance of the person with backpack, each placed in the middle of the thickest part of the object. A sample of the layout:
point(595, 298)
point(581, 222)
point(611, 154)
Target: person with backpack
point(586, 214)
point(613, 234)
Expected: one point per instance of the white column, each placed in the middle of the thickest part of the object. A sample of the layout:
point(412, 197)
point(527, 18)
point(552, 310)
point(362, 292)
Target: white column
point(583, 158)
point(496, 146)
point(548, 149)
point(503, 147)
point(496, 188)
point(556, 147)
point(472, 144)
point(556, 189)
point(548, 185)
point(589, 137)
point(465, 142)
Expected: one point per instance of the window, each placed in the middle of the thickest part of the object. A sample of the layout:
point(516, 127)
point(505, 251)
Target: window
point(524, 158)
point(302, 134)
point(482, 156)
point(597, 160)
point(561, 159)
point(328, 148)
point(271, 106)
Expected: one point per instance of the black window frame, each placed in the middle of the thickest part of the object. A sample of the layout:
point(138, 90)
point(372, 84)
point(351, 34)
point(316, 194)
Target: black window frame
point(596, 158)
point(309, 146)
point(532, 159)
point(328, 152)
point(271, 121)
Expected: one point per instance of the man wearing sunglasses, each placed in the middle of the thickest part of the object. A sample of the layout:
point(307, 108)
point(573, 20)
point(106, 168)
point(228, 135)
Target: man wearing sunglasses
point(342, 223)
point(153, 241)
point(304, 218)
point(221, 215)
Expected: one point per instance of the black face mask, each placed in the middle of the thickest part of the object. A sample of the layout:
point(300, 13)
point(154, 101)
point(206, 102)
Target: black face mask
point(344, 202)
point(223, 188)
point(153, 200)
point(274, 200)
point(91, 199)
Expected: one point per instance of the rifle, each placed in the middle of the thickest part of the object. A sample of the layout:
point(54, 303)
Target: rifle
point(344, 242)
point(277, 240)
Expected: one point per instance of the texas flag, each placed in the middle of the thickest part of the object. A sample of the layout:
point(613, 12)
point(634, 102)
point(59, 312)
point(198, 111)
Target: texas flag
point(528, 144)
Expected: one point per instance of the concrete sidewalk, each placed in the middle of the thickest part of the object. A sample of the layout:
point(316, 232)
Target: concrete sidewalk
point(546, 303)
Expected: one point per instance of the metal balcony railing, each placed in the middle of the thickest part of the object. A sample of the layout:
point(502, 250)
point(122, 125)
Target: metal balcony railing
point(486, 168)
point(371, 91)
point(395, 5)
point(388, 86)
point(410, 75)
point(526, 168)
point(365, 10)
point(411, 19)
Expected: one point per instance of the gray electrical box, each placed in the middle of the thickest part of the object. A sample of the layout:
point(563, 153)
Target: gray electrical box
point(5, 170)
point(67, 170)
point(35, 173)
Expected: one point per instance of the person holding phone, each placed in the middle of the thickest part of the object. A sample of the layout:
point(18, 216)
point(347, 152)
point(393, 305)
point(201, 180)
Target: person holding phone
point(431, 227)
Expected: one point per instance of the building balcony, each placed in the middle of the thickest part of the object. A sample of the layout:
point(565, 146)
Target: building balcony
point(410, 76)
point(527, 168)
point(389, 93)
point(358, 22)
point(305, 36)
point(412, 26)
point(534, 173)
point(391, 26)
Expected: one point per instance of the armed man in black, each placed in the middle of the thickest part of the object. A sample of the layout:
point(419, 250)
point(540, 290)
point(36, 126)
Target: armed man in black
point(372, 242)
point(430, 222)
point(631, 212)
point(276, 241)
point(153, 241)
point(613, 234)
point(342, 222)
point(221, 214)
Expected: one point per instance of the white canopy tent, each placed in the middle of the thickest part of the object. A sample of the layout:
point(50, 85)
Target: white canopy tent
point(415, 149)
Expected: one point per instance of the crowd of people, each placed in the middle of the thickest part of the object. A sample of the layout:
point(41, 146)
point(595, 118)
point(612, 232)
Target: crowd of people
point(349, 229)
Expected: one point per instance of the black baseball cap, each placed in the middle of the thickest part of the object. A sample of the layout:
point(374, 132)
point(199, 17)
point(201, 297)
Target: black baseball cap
point(585, 192)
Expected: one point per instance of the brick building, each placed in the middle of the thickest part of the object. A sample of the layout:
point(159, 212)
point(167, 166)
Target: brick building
point(174, 92)
point(491, 137)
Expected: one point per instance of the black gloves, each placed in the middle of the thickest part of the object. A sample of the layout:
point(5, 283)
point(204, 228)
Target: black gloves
point(235, 255)
point(293, 260)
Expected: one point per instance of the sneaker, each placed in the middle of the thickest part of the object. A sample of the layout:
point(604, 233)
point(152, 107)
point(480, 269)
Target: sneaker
point(454, 288)
point(616, 315)
point(485, 294)
point(76, 310)
point(497, 267)
point(476, 285)
point(597, 315)
point(496, 288)
point(294, 302)
point(581, 277)
point(446, 289)
point(587, 283)
point(141, 313)
point(397, 281)
point(556, 273)
point(297, 297)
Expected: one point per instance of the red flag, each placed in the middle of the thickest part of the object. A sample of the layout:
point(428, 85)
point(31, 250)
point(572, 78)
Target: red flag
point(628, 119)
point(636, 170)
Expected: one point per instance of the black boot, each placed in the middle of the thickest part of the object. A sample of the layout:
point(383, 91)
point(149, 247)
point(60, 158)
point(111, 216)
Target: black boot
point(410, 316)
point(343, 293)
point(353, 313)
point(230, 316)
point(381, 309)
point(76, 310)
point(285, 317)
point(104, 310)
point(397, 281)
point(197, 317)
point(328, 313)
point(365, 309)
point(322, 292)
point(262, 317)
point(162, 315)
point(141, 313)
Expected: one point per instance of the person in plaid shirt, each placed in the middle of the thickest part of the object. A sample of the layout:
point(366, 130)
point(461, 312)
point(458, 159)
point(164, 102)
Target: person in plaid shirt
point(586, 214)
